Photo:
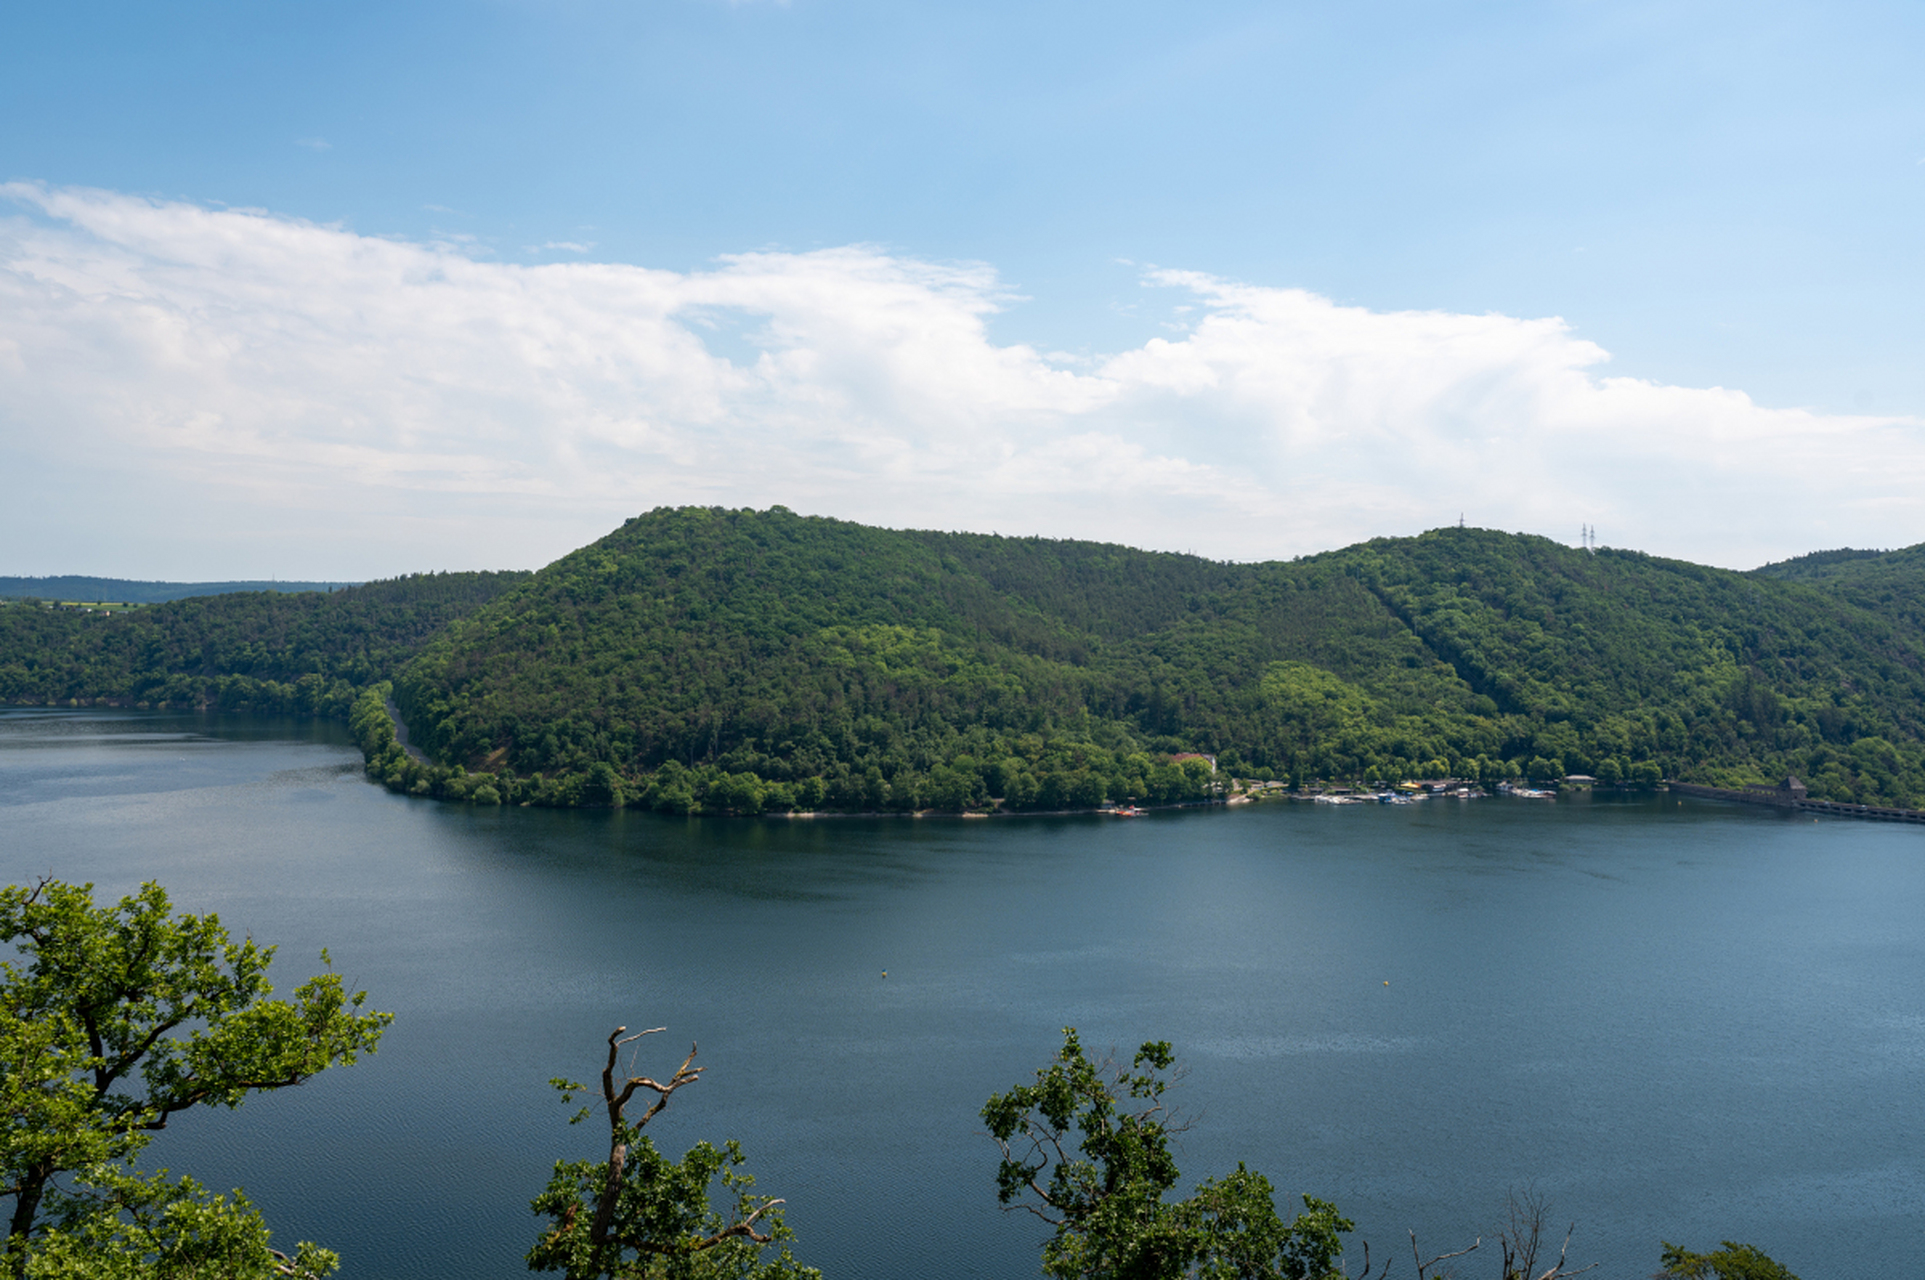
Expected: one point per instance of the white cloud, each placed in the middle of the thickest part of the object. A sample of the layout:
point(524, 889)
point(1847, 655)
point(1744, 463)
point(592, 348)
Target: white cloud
point(340, 404)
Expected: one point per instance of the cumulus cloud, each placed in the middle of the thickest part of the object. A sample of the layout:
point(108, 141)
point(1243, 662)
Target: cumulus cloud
point(356, 404)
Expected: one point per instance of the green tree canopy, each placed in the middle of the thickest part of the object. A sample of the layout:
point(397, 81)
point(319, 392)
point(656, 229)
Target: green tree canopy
point(112, 1021)
point(1732, 1262)
point(639, 1215)
point(1086, 1149)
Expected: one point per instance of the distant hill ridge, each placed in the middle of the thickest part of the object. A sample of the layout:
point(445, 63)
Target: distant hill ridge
point(714, 660)
point(307, 652)
point(131, 591)
point(1845, 561)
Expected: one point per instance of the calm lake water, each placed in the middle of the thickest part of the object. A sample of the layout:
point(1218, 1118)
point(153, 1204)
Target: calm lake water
point(1681, 1020)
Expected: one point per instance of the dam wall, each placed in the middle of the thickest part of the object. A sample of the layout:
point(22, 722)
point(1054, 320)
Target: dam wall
point(1794, 797)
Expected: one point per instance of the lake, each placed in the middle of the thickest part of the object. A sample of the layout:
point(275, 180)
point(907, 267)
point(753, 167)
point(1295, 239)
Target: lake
point(1674, 1019)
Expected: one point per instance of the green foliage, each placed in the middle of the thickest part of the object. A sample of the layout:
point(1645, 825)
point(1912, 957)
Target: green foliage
point(1887, 584)
point(112, 1021)
point(640, 1215)
point(1086, 1149)
point(114, 1225)
point(1733, 1262)
point(663, 1221)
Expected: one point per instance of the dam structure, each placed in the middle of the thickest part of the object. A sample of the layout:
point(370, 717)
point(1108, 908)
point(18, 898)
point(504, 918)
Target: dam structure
point(1791, 794)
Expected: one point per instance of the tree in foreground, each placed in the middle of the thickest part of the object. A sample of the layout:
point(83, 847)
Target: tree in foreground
point(112, 1021)
point(1522, 1241)
point(1733, 1262)
point(1087, 1149)
point(639, 1214)
point(130, 1227)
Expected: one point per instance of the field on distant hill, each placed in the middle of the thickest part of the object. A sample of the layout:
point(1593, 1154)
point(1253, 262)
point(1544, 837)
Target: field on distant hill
point(134, 591)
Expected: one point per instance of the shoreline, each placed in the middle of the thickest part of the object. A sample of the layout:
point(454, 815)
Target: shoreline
point(810, 815)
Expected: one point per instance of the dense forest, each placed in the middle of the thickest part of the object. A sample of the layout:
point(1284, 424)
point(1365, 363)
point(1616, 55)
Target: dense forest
point(307, 653)
point(702, 659)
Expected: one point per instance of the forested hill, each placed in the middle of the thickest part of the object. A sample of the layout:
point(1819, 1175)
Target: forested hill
point(741, 660)
point(309, 653)
point(736, 660)
point(1844, 565)
point(1891, 583)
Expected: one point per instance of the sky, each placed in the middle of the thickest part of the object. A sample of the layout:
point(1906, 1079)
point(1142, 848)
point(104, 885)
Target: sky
point(350, 290)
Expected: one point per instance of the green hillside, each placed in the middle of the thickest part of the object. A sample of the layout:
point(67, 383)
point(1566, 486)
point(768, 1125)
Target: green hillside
point(1891, 583)
point(307, 653)
point(739, 660)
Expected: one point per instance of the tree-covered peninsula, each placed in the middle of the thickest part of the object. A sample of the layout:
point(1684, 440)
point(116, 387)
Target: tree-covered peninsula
point(702, 659)
point(739, 660)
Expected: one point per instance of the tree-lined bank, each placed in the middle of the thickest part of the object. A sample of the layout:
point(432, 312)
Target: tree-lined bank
point(712, 660)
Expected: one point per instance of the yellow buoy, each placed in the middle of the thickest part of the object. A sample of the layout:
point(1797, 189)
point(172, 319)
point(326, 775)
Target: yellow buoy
point(1386, 982)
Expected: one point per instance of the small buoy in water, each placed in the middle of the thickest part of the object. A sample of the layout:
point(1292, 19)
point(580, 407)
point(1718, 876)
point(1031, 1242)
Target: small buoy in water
point(885, 973)
point(1386, 982)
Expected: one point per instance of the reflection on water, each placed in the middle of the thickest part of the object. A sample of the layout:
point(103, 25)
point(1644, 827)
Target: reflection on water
point(1687, 1020)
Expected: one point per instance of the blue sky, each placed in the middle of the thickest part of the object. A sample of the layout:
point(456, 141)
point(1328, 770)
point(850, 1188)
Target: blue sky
point(1716, 195)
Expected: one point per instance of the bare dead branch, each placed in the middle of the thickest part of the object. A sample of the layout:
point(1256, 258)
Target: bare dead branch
point(285, 1266)
point(618, 1130)
point(1523, 1238)
point(683, 1075)
point(1423, 1266)
point(1558, 1271)
point(746, 1227)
